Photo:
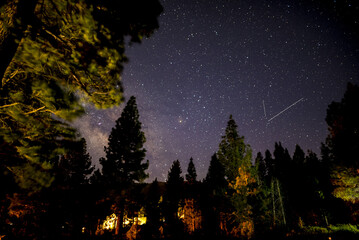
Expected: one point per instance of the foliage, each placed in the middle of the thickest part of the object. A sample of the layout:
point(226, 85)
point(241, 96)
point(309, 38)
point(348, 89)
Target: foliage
point(75, 166)
point(342, 144)
point(58, 55)
point(233, 152)
point(191, 215)
point(174, 174)
point(332, 228)
point(346, 181)
point(235, 156)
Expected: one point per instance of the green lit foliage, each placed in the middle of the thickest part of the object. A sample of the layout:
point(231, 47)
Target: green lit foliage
point(236, 156)
point(233, 153)
point(342, 144)
point(346, 181)
point(59, 56)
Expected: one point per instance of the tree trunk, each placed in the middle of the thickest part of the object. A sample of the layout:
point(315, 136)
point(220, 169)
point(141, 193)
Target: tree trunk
point(15, 16)
point(281, 203)
point(273, 201)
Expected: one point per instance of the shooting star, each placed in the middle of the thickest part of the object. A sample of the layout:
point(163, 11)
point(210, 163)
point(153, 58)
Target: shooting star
point(264, 109)
point(285, 109)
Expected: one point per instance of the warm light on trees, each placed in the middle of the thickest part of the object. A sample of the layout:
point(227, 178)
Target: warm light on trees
point(191, 215)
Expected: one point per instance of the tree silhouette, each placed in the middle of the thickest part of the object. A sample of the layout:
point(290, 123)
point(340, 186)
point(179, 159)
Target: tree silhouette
point(191, 175)
point(173, 193)
point(123, 165)
point(215, 178)
point(76, 164)
point(261, 168)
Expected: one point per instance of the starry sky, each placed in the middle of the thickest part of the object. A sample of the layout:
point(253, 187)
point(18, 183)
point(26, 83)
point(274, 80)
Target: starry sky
point(274, 65)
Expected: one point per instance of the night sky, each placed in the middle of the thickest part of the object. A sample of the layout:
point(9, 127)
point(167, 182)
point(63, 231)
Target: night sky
point(251, 59)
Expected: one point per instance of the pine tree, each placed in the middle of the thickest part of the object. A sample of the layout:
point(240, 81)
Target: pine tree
point(173, 193)
point(215, 178)
point(214, 201)
point(191, 175)
point(76, 164)
point(282, 161)
point(123, 164)
point(174, 175)
point(68, 196)
point(236, 156)
point(233, 153)
point(298, 156)
point(261, 167)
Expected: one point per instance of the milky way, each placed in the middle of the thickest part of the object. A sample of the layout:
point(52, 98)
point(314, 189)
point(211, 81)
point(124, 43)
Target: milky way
point(210, 59)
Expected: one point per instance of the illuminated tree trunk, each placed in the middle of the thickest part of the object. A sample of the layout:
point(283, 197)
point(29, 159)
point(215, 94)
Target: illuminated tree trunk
point(277, 197)
point(273, 202)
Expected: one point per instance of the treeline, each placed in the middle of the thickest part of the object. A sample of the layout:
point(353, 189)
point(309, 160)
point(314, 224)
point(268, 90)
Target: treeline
point(277, 194)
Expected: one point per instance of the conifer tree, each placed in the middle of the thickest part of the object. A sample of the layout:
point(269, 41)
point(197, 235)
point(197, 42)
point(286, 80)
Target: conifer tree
point(236, 156)
point(215, 178)
point(233, 152)
point(123, 164)
point(261, 167)
point(76, 164)
point(282, 161)
point(191, 175)
point(269, 162)
point(298, 156)
point(173, 191)
point(153, 208)
point(68, 196)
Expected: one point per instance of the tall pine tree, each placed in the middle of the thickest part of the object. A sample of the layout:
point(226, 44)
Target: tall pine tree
point(124, 162)
point(173, 193)
point(236, 156)
point(233, 152)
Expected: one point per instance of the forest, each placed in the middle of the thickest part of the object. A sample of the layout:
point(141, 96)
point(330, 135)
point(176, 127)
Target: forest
point(57, 55)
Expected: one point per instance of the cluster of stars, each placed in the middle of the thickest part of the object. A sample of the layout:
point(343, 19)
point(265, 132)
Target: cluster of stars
point(210, 59)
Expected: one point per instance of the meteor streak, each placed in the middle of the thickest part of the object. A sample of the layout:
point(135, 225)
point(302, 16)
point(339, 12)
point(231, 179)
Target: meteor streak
point(285, 109)
point(264, 109)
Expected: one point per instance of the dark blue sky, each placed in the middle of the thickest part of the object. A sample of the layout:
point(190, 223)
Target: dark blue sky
point(210, 59)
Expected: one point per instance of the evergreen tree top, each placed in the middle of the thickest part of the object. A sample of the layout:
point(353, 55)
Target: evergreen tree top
point(191, 175)
point(174, 175)
point(233, 152)
point(125, 152)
